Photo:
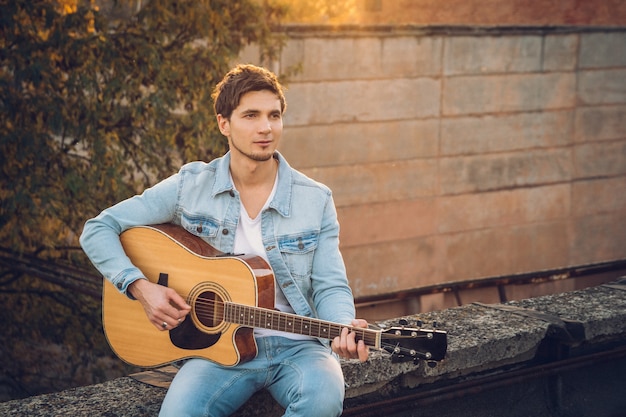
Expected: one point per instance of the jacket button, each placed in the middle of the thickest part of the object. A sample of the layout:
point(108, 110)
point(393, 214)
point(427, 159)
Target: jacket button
point(225, 231)
point(199, 229)
point(119, 285)
point(232, 193)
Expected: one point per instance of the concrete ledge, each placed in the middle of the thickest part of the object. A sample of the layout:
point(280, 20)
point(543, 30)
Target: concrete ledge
point(481, 339)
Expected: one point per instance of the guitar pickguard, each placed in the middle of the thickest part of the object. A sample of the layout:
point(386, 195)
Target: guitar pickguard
point(187, 336)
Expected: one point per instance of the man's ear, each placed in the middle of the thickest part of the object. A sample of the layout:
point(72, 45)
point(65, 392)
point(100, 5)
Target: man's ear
point(224, 125)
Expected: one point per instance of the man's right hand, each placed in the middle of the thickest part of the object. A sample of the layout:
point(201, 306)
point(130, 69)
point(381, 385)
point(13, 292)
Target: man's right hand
point(163, 306)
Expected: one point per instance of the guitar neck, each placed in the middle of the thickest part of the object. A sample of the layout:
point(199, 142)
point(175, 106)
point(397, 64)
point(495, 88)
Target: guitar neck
point(292, 323)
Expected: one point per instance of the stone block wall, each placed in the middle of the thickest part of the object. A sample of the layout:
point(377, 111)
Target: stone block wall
point(491, 12)
point(455, 154)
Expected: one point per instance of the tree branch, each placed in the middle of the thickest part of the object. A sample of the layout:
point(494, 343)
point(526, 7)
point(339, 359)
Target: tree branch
point(67, 276)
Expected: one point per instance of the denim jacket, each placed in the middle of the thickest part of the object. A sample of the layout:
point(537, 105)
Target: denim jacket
point(300, 232)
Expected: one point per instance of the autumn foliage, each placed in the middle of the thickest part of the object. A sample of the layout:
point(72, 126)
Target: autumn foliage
point(98, 99)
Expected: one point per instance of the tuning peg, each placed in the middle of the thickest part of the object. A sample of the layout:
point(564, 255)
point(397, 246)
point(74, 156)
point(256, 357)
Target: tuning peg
point(419, 323)
point(403, 322)
point(431, 364)
point(434, 324)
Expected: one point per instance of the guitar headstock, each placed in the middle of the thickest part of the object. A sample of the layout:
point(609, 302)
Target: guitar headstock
point(414, 343)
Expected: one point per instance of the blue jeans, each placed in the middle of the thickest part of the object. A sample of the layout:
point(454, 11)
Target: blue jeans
point(304, 377)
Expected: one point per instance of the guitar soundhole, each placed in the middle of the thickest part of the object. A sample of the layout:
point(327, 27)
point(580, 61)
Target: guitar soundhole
point(210, 309)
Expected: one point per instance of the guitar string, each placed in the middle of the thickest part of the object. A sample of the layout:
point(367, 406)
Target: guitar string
point(214, 310)
point(209, 307)
point(212, 305)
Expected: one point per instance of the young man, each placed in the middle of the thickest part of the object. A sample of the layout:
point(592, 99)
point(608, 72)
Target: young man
point(248, 201)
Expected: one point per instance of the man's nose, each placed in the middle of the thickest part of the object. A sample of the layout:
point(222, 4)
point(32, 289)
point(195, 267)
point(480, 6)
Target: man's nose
point(266, 126)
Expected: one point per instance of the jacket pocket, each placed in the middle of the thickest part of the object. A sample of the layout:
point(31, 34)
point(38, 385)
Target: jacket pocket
point(199, 225)
point(297, 251)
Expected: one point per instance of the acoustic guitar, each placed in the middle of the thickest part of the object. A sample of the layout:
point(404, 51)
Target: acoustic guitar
point(230, 296)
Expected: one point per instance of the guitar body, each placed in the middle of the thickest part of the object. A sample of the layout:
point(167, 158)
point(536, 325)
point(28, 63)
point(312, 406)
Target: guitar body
point(171, 256)
point(229, 296)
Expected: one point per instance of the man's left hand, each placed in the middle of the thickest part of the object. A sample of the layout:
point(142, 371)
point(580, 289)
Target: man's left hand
point(346, 345)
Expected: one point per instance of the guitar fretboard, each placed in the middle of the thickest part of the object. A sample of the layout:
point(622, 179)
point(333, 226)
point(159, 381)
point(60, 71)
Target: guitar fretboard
point(292, 323)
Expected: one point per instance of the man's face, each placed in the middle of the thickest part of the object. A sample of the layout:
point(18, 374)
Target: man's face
point(255, 126)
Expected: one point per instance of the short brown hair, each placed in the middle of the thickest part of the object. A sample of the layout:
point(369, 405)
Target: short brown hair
point(243, 79)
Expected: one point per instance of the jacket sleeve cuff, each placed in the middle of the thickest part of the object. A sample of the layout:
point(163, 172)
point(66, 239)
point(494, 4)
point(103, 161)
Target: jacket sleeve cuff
point(123, 280)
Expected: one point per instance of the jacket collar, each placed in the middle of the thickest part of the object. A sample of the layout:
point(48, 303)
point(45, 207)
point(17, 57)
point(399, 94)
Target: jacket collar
point(282, 198)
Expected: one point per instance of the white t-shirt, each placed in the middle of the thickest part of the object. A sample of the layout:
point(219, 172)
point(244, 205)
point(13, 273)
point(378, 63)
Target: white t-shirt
point(249, 241)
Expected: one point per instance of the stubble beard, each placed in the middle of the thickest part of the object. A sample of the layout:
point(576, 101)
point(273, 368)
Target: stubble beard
point(258, 157)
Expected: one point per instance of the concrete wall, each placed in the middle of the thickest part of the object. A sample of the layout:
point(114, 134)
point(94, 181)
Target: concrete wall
point(460, 153)
point(542, 357)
